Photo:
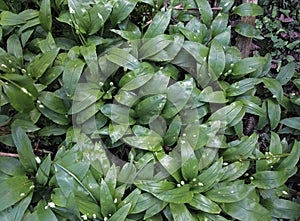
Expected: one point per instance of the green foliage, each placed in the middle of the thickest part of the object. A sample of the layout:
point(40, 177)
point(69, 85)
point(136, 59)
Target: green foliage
point(161, 119)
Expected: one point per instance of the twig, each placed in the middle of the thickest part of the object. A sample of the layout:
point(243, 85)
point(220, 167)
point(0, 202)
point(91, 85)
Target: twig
point(2, 154)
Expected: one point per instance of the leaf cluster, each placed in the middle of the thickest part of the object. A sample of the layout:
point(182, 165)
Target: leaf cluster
point(158, 120)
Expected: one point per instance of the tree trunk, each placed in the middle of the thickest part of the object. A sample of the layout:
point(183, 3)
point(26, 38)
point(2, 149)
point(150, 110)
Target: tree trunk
point(244, 43)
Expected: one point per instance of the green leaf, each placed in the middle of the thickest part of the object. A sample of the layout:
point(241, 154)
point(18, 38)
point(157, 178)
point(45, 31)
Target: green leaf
point(145, 142)
point(154, 45)
point(11, 166)
point(173, 131)
point(3, 6)
point(155, 209)
point(200, 202)
point(14, 189)
point(242, 86)
point(150, 108)
point(274, 113)
point(90, 56)
point(71, 75)
point(159, 24)
point(14, 47)
point(228, 113)
point(16, 213)
point(166, 191)
point(177, 96)
point(269, 179)
point(205, 11)
point(189, 161)
point(247, 210)
point(208, 177)
point(232, 192)
point(286, 73)
point(219, 24)
point(45, 15)
point(60, 119)
point(281, 208)
point(117, 113)
point(156, 85)
point(40, 64)
point(180, 212)
point(121, 214)
point(53, 102)
point(123, 58)
point(291, 161)
point(43, 172)
point(21, 101)
point(116, 132)
point(121, 10)
point(241, 150)
point(248, 65)
point(44, 212)
point(8, 18)
point(170, 164)
point(248, 9)
point(216, 58)
point(106, 200)
point(24, 148)
point(275, 87)
point(127, 174)
point(292, 122)
point(210, 96)
point(137, 82)
point(235, 170)
point(248, 30)
point(145, 201)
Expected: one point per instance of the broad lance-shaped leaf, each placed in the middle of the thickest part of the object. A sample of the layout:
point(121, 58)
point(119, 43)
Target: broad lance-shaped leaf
point(154, 45)
point(247, 210)
point(122, 10)
point(219, 24)
point(286, 73)
point(43, 172)
point(281, 208)
point(14, 47)
point(177, 96)
point(269, 179)
point(248, 9)
point(90, 56)
point(106, 200)
point(241, 150)
point(208, 177)
point(248, 31)
point(159, 24)
point(232, 192)
point(180, 212)
point(292, 122)
point(189, 161)
point(40, 64)
point(121, 214)
point(45, 15)
point(173, 131)
point(150, 108)
point(248, 65)
point(21, 101)
point(274, 113)
point(116, 131)
point(171, 165)
point(205, 11)
point(13, 189)
point(123, 58)
point(53, 102)
point(216, 59)
point(166, 191)
point(117, 113)
point(24, 148)
point(71, 75)
point(201, 202)
point(10, 19)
